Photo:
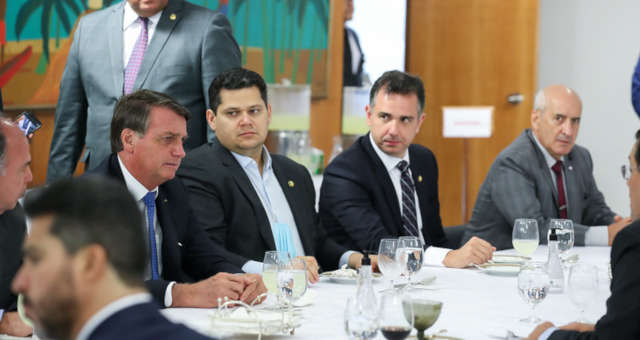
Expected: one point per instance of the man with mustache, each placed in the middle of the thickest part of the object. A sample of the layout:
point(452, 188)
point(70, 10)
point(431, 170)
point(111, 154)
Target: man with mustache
point(15, 174)
point(384, 187)
point(82, 276)
point(544, 175)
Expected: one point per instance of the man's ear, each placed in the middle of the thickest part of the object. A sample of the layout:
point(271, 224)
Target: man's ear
point(128, 138)
point(90, 263)
point(211, 119)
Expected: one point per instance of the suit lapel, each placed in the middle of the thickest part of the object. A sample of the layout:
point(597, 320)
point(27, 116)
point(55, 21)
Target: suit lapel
point(171, 15)
point(571, 190)
point(116, 47)
point(417, 174)
point(544, 169)
point(382, 177)
point(169, 237)
point(243, 182)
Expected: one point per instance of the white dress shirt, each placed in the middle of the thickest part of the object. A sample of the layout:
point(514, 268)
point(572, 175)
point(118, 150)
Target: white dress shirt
point(273, 201)
point(432, 255)
point(594, 236)
point(109, 310)
point(131, 30)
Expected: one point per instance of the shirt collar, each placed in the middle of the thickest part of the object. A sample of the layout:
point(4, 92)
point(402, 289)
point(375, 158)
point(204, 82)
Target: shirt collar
point(135, 188)
point(109, 310)
point(246, 161)
point(390, 162)
point(547, 156)
point(130, 16)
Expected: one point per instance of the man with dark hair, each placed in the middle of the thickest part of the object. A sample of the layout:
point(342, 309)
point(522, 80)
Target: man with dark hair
point(147, 132)
point(621, 319)
point(384, 187)
point(84, 265)
point(169, 46)
point(248, 200)
point(15, 174)
point(543, 174)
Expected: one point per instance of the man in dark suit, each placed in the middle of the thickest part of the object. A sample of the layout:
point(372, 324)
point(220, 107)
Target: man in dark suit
point(15, 174)
point(353, 58)
point(621, 319)
point(248, 200)
point(147, 133)
point(173, 47)
point(84, 265)
point(384, 187)
point(526, 177)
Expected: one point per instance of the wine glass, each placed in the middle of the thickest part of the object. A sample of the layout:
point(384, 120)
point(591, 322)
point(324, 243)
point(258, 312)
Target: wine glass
point(564, 230)
point(387, 260)
point(409, 255)
point(525, 236)
point(533, 286)
point(582, 285)
point(425, 314)
point(360, 323)
point(396, 316)
point(270, 271)
point(292, 279)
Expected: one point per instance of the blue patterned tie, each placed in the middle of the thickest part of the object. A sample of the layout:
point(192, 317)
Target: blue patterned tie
point(150, 202)
point(409, 220)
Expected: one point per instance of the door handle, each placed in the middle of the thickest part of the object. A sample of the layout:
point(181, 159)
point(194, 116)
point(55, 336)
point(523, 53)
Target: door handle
point(515, 98)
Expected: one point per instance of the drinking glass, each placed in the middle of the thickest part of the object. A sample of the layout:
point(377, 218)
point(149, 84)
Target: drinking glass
point(525, 236)
point(533, 286)
point(396, 316)
point(409, 255)
point(583, 283)
point(270, 264)
point(564, 230)
point(360, 323)
point(387, 260)
point(425, 314)
point(292, 279)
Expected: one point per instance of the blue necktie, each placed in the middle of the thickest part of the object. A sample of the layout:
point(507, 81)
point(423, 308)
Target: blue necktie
point(150, 202)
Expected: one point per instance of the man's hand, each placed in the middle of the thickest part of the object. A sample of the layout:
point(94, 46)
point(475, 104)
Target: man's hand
point(539, 330)
point(579, 327)
point(618, 225)
point(312, 268)
point(205, 294)
point(476, 250)
point(11, 324)
point(253, 286)
point(355, 261)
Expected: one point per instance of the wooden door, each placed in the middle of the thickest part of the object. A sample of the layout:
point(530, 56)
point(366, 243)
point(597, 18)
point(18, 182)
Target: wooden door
point(472, 52)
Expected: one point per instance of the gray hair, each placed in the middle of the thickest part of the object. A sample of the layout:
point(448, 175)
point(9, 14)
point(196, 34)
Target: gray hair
point(540, 101)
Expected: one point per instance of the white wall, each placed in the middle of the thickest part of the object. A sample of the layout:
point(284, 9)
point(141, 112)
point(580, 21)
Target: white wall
point(592, 46)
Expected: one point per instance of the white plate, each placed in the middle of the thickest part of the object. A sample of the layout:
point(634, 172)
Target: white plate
point(347, 279)
point(499, 270)
point(499, 258)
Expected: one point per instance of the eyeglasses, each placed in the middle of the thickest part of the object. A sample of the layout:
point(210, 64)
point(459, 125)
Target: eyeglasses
point(626, 171)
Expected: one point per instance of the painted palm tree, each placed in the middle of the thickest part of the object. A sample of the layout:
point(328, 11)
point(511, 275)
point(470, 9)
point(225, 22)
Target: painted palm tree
point(49, 8)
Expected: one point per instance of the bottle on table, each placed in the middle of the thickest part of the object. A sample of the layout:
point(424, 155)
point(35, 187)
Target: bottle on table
point(554, 263)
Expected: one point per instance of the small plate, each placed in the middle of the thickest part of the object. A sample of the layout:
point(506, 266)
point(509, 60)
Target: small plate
point(499, 269)
point(505, 258)
point(346, 279)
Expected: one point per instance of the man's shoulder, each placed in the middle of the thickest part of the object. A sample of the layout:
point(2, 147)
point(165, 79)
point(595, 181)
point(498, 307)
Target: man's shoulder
point(630, 234)
point(421, 152)
point(103, 14)
point(199, 155)
point(354, 159)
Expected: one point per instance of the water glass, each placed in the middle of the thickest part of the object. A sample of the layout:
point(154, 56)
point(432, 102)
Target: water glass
point(409, 255)
point(564, 230)
point(396, 316)
point(270, 264)
point(525, 236)
point(533, 286)
point(360, 323)
point(582, 286)
point(292, 279)
point(387, 263)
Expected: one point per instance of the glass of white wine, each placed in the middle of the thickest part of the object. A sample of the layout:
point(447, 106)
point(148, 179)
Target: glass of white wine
point(292, 280)
point(525, 236)
point(270, 264)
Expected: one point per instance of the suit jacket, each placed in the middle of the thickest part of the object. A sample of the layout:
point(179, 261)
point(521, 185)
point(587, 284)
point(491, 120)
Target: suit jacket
point(229, 209)
point(359, 205)
point(142, 322)
point(190, 46)
point(623, 307)
point(187, 253)
point(12, 234)
point(348, 77)
point(519, 184)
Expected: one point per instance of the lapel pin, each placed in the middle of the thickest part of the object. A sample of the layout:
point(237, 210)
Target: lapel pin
point(165, 200)
point(419, 178)
point(172, 16)
point(570, 168)
point(179, 244)
point(291, 184)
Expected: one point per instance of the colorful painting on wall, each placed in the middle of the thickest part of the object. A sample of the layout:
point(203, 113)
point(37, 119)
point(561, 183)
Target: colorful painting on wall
point(278, 38)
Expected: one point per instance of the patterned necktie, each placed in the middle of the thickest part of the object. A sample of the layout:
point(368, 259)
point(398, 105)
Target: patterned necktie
point(150, 202)
point(135, 60)
point(409, 220)
point(562, 201)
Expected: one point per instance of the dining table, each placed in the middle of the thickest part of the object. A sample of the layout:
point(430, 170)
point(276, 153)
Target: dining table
point(475, 304)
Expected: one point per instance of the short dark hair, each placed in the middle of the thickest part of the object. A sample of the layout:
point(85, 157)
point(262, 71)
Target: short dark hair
point(95, 210)
point(235, 79)
point(133, 112)
point(398, 82)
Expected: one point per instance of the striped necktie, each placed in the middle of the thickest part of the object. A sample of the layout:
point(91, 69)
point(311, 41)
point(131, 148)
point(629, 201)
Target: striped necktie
point(409, 219)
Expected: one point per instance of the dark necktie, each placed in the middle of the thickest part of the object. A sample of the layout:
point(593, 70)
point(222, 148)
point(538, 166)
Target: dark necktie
point(562, 201)
point(135, 60)
point(409, 220)
point(150, 202)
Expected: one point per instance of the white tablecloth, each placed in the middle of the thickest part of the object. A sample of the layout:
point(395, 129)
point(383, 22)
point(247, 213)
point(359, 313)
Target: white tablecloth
point(476, 305)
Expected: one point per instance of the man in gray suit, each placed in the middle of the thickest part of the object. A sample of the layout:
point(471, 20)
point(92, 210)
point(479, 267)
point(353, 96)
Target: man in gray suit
point(526, 177)
point(170, 46)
